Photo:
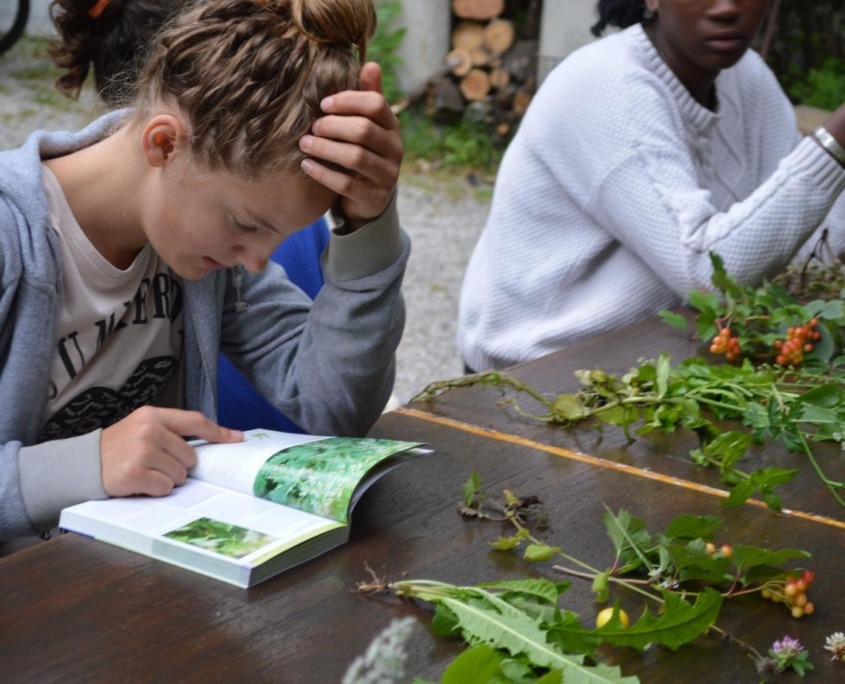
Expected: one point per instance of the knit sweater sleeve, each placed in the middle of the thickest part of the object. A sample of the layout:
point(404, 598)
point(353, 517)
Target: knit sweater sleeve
point(671, 224)
point(671, 193)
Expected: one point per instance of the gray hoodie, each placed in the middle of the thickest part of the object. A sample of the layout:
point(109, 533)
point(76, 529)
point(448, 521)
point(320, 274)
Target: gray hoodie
point(326, 364)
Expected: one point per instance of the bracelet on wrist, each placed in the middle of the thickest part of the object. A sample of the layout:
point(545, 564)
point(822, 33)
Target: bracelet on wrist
point(830, 144)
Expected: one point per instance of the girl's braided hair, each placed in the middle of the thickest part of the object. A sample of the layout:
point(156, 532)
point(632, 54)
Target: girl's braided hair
point(250, 74)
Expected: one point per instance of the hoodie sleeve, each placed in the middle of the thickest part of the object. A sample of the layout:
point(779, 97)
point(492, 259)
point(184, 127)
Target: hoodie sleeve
point(328, 365)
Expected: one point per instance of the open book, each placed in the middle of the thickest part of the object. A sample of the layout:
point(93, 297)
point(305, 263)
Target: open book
point(248, 510)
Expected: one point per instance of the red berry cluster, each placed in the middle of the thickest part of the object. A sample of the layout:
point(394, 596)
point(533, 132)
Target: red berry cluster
point(725, 343)
point(799, 339)
point(792, 592)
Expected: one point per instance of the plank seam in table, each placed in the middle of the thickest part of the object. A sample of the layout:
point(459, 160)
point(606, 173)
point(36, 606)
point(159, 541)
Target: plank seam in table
point(604, 463)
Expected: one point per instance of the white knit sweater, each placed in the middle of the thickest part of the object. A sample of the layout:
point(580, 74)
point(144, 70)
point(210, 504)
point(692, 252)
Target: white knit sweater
point(617, 186)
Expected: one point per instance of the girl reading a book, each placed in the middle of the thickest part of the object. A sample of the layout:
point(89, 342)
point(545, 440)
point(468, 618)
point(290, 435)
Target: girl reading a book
point(135, 250)
point(107, 46)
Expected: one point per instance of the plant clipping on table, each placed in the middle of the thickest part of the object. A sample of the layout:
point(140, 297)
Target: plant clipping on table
point(519, 631)
point(784, 381)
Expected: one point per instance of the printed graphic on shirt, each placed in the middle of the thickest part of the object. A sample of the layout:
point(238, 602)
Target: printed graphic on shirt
point(119, 330)
point(101, 406)
point(108, 366)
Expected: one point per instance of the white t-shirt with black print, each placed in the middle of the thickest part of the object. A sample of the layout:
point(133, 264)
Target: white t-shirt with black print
point(120, 332)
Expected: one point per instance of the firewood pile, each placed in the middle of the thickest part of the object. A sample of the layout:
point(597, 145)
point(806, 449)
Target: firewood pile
point(490, 73)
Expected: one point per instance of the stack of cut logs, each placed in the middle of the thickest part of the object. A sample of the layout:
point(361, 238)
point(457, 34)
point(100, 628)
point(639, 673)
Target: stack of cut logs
point(487, 66)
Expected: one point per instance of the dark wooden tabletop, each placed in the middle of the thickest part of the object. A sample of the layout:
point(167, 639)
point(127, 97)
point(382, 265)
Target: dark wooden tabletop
point(74, 609)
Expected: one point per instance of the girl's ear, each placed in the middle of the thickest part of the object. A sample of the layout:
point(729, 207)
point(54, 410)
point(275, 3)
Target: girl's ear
point(162, 135)
point(651, 6)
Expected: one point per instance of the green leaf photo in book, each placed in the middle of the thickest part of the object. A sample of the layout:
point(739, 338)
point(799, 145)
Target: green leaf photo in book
point(212, 535)
point(322, 476)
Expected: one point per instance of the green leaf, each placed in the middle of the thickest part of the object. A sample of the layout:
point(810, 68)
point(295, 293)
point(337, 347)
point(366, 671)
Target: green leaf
point(477, 665)
point(825, 396)
point(539, 588)
point(601, 587)
point(729, 447)
point(740, 493)
point(444, 622)
point(500, 625)
point(506, 543)
point(471, 489)
point(537, 553)
point(628, 535)
point(687, 526)
point(568, 408)
point(679, 623)
point(747, 557)
point(676, 320)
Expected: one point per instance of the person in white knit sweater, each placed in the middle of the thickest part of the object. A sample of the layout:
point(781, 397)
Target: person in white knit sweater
point(640, 154)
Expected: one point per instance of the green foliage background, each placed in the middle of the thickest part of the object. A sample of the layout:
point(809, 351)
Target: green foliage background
point(807, 50)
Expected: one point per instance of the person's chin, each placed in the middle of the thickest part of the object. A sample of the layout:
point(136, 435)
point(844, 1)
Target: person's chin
point(192, 271)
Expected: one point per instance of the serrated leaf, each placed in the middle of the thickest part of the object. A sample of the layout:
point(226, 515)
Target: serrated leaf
point(688, 526)
point(747, 557)
point(676, 320)
point(680, 623)
point(537, 587)
point(500, 625)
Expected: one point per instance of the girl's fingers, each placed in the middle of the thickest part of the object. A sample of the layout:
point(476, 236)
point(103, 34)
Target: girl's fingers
point(368, 199)
point(356, 158)
point(367, 104)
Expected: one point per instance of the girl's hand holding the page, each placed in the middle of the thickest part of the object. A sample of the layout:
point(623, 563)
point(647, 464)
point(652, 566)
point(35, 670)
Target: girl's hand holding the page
point(360, 133)
point(146, 452)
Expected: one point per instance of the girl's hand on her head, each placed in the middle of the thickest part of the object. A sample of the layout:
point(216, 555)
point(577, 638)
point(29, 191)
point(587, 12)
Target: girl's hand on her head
point(360, 133)
point(145, 453)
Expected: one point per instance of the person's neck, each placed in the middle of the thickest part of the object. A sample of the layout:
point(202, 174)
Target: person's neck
point(102, 184)
point(699, 82)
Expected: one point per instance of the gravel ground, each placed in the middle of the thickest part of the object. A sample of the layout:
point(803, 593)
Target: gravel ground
point(443, 215)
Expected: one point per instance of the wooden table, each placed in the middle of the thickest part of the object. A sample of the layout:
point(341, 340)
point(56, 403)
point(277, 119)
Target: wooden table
point(79, 610)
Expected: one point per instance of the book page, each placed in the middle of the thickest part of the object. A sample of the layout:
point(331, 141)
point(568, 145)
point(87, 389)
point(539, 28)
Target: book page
point(236, 465)
point(322, 476)
point(311, 473)
point(212, 519)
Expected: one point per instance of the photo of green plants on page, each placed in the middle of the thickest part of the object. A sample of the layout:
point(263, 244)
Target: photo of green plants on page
point(220, 537)
point(321, 477)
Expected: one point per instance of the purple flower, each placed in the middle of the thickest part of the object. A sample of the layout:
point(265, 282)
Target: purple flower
point(788, 653)
point(787, 647)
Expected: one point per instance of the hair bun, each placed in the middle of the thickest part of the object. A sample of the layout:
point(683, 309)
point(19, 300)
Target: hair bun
point(346, 24)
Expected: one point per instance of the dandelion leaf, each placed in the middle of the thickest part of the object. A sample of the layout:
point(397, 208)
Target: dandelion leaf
point(501, 626)
point(679, 623)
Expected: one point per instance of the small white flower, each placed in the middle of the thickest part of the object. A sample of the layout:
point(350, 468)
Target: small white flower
point(835, 643)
